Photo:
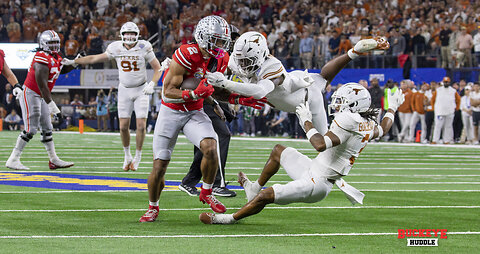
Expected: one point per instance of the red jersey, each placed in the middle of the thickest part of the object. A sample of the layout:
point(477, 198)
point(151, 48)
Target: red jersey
point(190, 57)
point(52, 60)
point(2, 60)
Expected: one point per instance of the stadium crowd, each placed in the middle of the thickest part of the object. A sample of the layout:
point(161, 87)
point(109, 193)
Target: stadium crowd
point(421, 34)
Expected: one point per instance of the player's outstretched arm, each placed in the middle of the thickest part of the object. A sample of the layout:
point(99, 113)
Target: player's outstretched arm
point(394, 101)
point(100, 58)
point(173, 80)
point(258, 90)
point(318, 141)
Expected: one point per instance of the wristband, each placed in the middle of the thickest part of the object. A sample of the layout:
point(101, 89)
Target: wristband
point(311, 132)
point(189, 95)
point(18, 85)
point(389, 115)
point(328, 142)
point(380, 131)
point(352, 54)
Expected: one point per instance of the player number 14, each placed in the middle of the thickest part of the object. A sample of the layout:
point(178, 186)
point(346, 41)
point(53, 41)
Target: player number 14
point(129, 66)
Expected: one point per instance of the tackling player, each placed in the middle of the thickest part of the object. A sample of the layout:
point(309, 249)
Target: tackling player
point(36, 100)
point(353, 126)
point(132, 56)
point(263, 75)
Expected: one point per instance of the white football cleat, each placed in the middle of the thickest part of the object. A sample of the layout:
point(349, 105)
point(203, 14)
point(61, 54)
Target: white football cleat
point(127, 163)
point(366, 45)
point(57, 163)
point(134, 164)
point(250, 191)
point(212, 218)
point(14, 163)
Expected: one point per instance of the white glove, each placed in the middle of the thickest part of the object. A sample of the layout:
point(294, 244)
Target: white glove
point(307, 78)
point(395, 100)
point(149, 88)
point(303, 113)
point(165, 64)
point(17, 90)
point(216, 79)
point(66, 61)
point(53, 108)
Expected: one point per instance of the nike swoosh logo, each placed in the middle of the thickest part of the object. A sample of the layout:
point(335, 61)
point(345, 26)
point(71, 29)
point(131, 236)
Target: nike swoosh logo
point(202, 94)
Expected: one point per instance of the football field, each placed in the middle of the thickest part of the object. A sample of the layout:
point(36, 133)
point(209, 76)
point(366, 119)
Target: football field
point(94, 206)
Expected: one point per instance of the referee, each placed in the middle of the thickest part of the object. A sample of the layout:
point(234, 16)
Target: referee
point(194, 174)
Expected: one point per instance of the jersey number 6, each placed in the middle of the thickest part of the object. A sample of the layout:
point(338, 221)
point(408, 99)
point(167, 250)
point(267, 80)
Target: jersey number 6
point(129, 66)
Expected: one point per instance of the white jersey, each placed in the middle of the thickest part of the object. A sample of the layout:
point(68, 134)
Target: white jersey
point(282, 97)
point(131, 63)
point(354, 132)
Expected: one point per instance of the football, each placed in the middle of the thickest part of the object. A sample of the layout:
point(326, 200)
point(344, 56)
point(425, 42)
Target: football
point(190, 83)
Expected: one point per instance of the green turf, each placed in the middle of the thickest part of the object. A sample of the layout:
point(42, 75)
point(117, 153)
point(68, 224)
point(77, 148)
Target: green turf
point(383, 171)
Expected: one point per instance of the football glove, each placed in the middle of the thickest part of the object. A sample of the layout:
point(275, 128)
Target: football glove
point(52, 107)
point(149, 88)
point(165, 64)
point(216, 79)
point(17, 90)
point(395, 100)
point(303, 113)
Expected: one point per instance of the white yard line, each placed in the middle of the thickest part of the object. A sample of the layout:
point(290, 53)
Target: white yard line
point(217, 236)
point(236, 208)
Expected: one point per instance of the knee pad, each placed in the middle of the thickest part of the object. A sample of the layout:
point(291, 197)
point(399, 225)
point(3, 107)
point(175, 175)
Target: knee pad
point(46, 136)
point(26, 135)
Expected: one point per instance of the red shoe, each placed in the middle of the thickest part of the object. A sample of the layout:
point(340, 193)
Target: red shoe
point(207, 197)
point(151, 215)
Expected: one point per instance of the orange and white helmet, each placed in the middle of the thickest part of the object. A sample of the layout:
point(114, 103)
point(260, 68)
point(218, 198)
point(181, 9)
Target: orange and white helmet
point(351, 97)
point(250, 51)
point(129, 27)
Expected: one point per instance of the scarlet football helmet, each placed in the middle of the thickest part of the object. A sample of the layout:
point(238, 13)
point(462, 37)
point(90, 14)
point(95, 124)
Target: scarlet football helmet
point(212, 34)
point(49, 41)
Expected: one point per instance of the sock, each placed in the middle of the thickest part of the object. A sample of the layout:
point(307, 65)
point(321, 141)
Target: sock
point(138, 154)
point(50, 147)
point(207, 186)
point(21, 143)
point(153, 203)
point(256, 186)
point(126, 149)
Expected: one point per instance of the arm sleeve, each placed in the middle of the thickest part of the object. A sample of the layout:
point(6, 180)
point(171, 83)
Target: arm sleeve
point(40, 58)
point(258, 91)
point(149, 55)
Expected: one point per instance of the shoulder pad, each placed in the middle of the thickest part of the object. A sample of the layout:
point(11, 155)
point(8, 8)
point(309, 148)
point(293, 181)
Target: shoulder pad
point(347, 120)
point(271, 68)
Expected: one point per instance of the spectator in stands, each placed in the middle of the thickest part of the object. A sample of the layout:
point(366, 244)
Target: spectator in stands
point(475, 102)
point(249, 121)
point(397, 45)
point(445, 101)
point(306, 50)
point(294, 53)
point(405, 110)
point(280, 50)
point(476, 48)
point(102, 111)
point(467, 119)
point(3, 32)
point(3, 112)
point(67, 111)
point(334, 43)
point(8, 100)
point(418, 103)
point(14, 30)
point(71, 47)
point(376, 94)
point(464, 43)
point(13, 120)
